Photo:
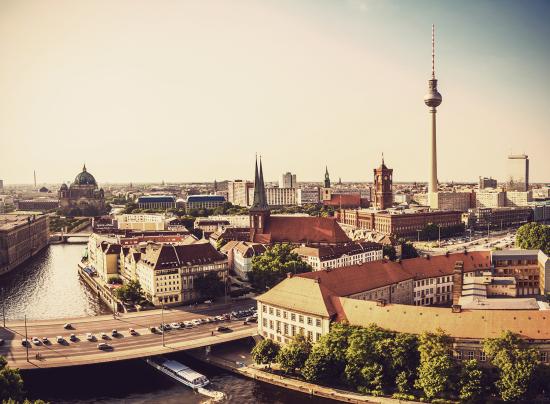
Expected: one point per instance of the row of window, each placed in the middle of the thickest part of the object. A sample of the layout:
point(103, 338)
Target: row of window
point(293, 316)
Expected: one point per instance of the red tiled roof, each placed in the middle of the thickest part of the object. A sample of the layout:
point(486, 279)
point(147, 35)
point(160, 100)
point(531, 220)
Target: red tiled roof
point(302, 230)
point(344, 200)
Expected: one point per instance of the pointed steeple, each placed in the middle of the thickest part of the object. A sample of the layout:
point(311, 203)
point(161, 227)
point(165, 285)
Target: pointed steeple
point(84, 167)
point(260, 200)
point(327, 178)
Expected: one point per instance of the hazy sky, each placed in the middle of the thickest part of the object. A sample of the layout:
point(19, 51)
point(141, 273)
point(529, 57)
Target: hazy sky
point(191, 90)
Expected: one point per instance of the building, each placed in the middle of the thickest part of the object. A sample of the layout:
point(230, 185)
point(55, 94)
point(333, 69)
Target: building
point(518, 173)
point(485, 182)
point(288, 180)
point(237, 192)
point(38, 205)
point(518, 198)
point(307, 196)
point(1, 186)
point(523, 266)
point(541, 193)
point(208, 225)
point(277, 196)
point(234, 220)
point(350, 200)
point(483, 218)
point(446, 200)
point(157, 202)
point(307, 303)
point(142, 222)
point(240, 255)
point(383, 194)
point(433, 100)
point(398, 223)
point(354, 253)
point(204, 201)
point(490, 198)
point(267, 229)
point(167, 273)
point(21, 237)
point(386, 293)
point(83, 197)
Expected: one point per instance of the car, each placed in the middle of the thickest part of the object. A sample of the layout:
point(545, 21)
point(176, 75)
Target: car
point(103, 346)
point(25, 342)
point(153, 330)
point(220, 318)
point(36, 341)
point(90, 336)
point(68, 326)
point(114, 333)
point(196, 322)
point(73, 338)
point(60, 339)
point(251, 319)
point(45, 340)
point(104, 335)
point(133, 332)
point(187, 324)
point(175, 326)
point(222, 328)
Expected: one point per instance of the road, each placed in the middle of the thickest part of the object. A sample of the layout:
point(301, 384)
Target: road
point(125, 346)
point(497, 239)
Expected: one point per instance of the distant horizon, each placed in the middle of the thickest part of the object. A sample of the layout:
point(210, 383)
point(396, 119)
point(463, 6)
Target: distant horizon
point(182, 91)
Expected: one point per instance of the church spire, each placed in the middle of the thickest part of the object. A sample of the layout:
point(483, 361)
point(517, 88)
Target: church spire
point(327, 178)
point(260, 200)
point(84, 167)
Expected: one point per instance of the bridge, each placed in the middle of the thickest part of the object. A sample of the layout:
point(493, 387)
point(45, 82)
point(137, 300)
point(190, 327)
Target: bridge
point(61, 237)
point(125, 346)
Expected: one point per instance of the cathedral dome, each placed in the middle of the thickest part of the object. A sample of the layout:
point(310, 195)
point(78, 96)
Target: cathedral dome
point(84, 178)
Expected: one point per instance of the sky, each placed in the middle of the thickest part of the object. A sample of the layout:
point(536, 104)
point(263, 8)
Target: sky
point(180, 91)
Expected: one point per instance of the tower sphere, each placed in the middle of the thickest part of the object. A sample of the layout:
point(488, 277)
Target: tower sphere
point(433, 98)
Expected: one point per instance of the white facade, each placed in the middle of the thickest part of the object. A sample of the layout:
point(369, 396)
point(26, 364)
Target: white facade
point(344, 261)
point(277, 196)
point(280, 324)
point(518, 198)
point(141, 222)
point(234, 220)
point(237, 192)
point(490, 199)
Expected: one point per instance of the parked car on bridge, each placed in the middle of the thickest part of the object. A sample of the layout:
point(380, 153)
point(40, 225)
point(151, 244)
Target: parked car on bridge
point(25, 342)
point(68, 326)
point(73, 338)
point(90, 336)
point(133, 332)
point(60, 339)
point(45, 340)
point(36, 341)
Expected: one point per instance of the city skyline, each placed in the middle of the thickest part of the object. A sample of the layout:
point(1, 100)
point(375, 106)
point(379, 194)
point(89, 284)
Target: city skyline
point(322, 84)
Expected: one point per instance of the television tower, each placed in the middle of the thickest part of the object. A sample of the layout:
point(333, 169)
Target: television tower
point(433, 100)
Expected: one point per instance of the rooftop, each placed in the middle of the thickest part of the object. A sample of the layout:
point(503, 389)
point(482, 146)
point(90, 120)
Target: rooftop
point(12, 221)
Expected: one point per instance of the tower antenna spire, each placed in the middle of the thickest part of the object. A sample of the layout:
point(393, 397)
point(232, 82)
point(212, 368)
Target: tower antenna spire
point(433, 51)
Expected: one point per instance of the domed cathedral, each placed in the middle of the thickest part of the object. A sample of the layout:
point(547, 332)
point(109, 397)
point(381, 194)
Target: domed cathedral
point(83, 197)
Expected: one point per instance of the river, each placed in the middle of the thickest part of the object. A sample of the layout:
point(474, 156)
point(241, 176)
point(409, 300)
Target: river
point(48, 286)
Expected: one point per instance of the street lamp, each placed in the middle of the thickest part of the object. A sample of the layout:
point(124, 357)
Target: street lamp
point(162, 322)
point(26, 339)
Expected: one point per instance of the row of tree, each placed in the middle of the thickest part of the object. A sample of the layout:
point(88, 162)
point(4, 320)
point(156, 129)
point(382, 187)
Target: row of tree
point(534, 236)
point(379, 362)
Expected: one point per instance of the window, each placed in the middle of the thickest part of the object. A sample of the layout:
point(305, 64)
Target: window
point(318, 322)
point(309, 321)
point(482, 356)
point(271, 324)
point(293, 328)
point(310, 335)
point(285, 314)
point(264, 308)
point(278, 313)
point(293, 317)
point(544, 356)
point(470, 355)
point(300, 318)
point(286, 328)
point(271, 310)
point(317, 336)
point(458, 355)
point(264, 322)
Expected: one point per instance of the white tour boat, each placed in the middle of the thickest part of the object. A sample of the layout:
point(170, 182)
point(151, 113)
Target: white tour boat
point(179, 372)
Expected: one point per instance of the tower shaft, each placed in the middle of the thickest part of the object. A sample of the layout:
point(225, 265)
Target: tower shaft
point(432, 186)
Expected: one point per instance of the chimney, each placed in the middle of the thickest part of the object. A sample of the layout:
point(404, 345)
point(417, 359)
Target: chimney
point(457, 281)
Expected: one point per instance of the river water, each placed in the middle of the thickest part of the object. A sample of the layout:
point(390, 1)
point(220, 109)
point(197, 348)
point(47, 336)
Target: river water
point(48, 286)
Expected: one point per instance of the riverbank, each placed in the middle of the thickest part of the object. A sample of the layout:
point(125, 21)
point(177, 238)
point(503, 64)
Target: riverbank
point(235, 358)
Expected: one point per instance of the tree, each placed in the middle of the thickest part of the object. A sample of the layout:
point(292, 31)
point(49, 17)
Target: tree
point(389, 251)
point(130, 292)
point(408, 250)
point(534, 236)
point(515, 362)
point(272, 266)
point(265, 352)
point(210, 285)
point(327, 360)
point(293, 355)
point(400, 358)
point(470, 382)
point(11, 383)
point(436, 365)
